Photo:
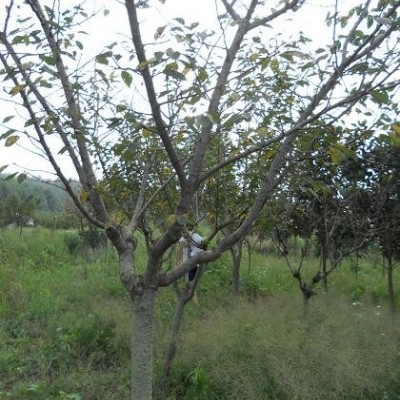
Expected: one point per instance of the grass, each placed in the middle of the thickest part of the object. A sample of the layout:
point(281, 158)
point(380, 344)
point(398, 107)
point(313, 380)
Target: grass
point(65, 331)
point(272, 350)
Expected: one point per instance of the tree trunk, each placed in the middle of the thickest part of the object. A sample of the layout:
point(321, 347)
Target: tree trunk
point(324, 257)
point(183, 298)
point(142, 344)
point(250, 248)
point(249, 259)
point(176, 325)
point(236, 252)
point(391, 298)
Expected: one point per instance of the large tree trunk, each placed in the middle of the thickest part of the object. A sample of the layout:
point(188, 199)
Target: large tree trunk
point(391, 297)
point(142, 344)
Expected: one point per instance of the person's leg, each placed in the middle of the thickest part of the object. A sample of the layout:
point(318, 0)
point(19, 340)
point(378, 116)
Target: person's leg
point(192, 274)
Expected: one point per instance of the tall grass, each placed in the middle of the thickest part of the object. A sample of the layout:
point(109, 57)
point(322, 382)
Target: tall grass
point(272, 350)
point(65, 331)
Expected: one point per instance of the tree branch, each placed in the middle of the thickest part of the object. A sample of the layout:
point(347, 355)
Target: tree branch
point(8, 9)
point(293, 5)
point(229, 8)
point(90, 181)
point(49, 153)
point(148, 81)
point(42, 100)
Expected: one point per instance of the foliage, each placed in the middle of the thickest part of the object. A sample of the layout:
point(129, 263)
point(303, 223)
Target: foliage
point(67, 337)
point(384, 185)
point(44, 202)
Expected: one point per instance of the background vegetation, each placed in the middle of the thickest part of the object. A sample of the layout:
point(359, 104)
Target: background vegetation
point(65, 333)
point(42, 203)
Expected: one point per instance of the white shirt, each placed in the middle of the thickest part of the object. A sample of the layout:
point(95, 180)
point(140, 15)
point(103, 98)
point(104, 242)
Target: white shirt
point(190, 249)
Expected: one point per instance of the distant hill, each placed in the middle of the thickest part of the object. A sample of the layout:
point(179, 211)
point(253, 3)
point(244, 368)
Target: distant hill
point(49, 195)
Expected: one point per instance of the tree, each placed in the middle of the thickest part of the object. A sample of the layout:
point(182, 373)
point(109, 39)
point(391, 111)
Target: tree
point(383, 167)
point(142, 163)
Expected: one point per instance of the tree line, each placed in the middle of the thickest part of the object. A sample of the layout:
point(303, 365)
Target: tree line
point(41, 203)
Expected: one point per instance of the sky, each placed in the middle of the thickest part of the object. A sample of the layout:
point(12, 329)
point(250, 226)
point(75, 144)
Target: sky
point(114, 26)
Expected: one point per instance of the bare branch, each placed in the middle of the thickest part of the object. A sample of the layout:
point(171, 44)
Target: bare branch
point(151, 93)
point(233, 158)
point(350, 34)
point(90, 181)
point(49, 153)
point(8, 8)
point(42, 100)
point(215, 100)
point(135, 220)
point(229, 8)
point(293, 5)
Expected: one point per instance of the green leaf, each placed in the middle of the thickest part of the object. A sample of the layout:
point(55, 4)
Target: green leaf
point(102, 58)
point(274, 65)
point(189, 121)
point(21, 39)
point(171, 70)
point(172, 66)
point(45, 83)
point(21, 177)
point(127, 78)
point(17, 89)
point(234, 119)
point(9, 177)
point(173, 54)
point(396, 128)
point(121, 107)
point(336, 155)
point(8, 118)
point(380, 97)
point(3, 167)
point(51, 60)
point(11, 140)
point(203, 120)
point(264, 63)
point(146, 133)
point(102, 75)
point(202, 75)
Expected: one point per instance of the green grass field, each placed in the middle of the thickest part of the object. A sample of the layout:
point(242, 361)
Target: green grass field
point(65, 330)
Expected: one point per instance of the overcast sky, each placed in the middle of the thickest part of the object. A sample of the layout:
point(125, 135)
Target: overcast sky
point(105, 29)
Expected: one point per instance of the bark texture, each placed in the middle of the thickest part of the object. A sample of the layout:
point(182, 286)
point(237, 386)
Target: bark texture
point(391, 297)
point(142, 345)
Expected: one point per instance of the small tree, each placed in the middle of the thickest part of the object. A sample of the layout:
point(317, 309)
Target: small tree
point(337, 222)
point(384, 185)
